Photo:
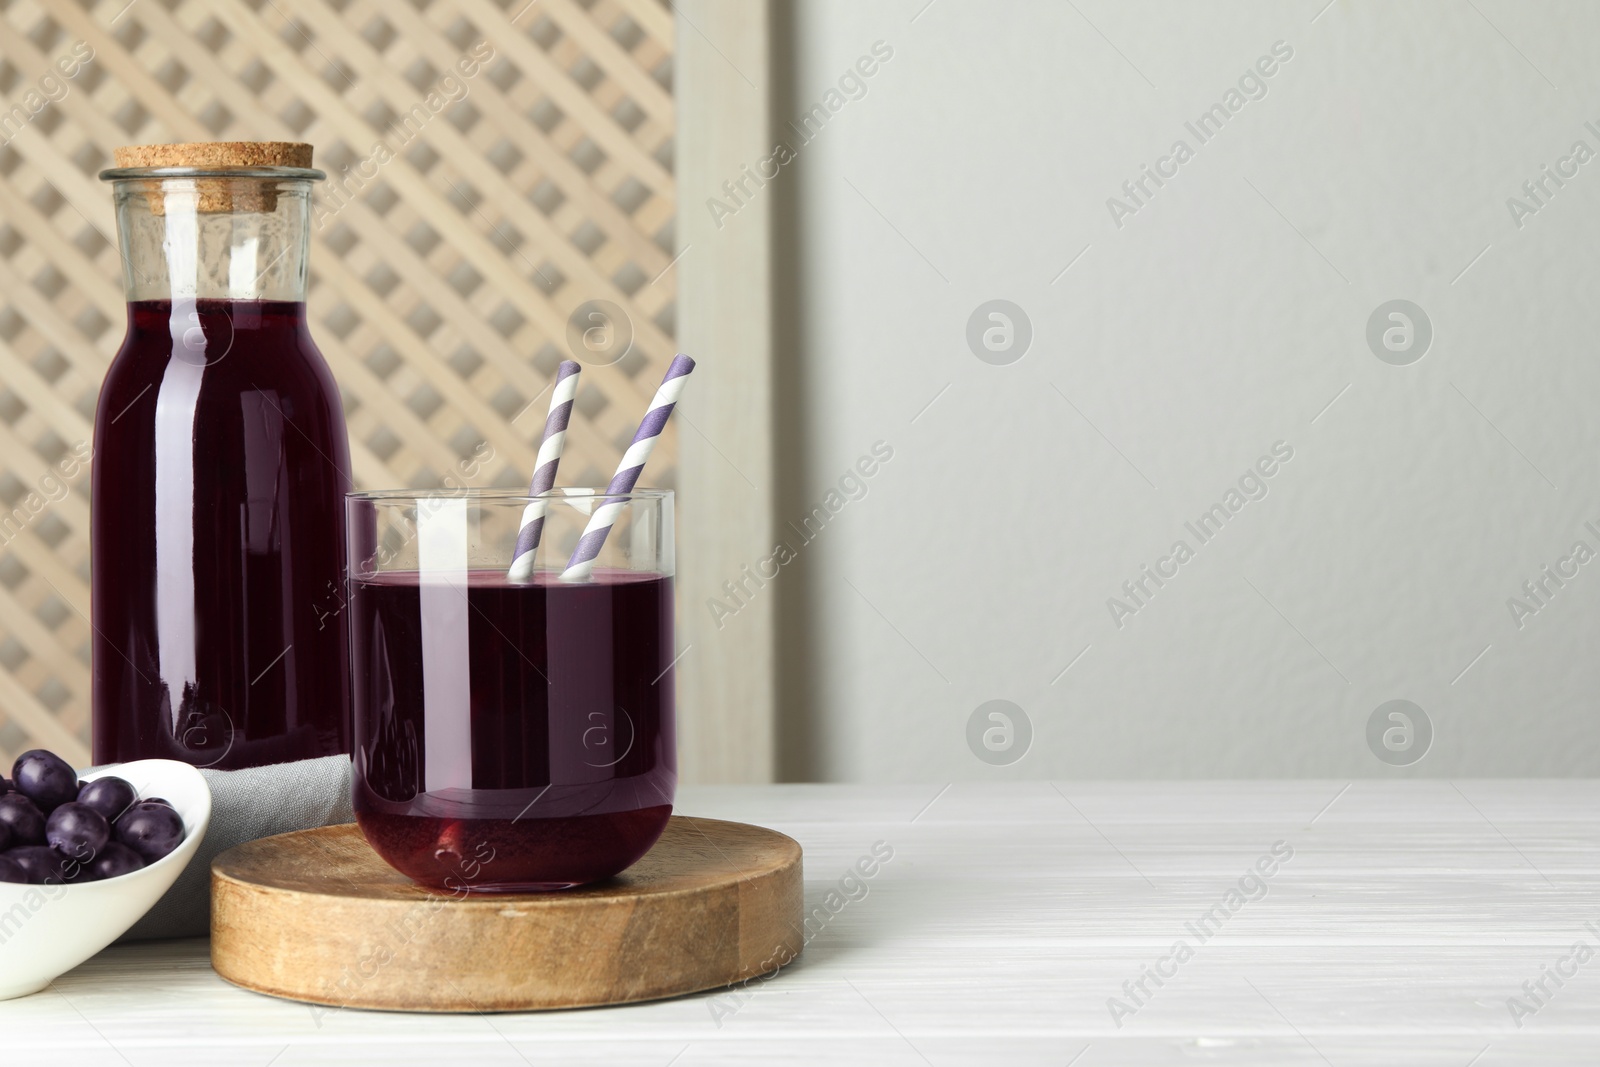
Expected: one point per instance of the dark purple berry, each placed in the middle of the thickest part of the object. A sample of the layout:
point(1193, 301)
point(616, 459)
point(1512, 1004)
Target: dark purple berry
point(40, 863)
point(22, 819)
point(160, 802)
point(151, 830)
point(10, 871)
point(75, 871)
point(114, 861)
point(45, 778)
point(77, 830)
point(110, 796)
point(5, 836)
point(5, 786)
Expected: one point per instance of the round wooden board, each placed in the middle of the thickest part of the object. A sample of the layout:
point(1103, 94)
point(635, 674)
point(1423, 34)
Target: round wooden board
point(317, 916)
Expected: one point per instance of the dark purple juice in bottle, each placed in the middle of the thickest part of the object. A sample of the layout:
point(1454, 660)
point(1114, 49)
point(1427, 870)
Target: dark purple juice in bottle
point(217, 525)
point(533, 749)
point(218, 539)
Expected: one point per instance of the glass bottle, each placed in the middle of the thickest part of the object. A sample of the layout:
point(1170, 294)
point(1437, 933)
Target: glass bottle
point(221, 464)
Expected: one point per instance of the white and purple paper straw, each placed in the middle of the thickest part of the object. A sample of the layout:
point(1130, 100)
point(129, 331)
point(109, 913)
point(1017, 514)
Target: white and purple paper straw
point(633, 460)
point(544, 473)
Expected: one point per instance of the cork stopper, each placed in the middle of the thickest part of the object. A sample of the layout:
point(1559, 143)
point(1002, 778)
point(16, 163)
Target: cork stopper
point(215, 154)
point(217, 195)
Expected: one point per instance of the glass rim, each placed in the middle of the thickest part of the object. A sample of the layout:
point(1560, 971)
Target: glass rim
point(506, 496)
point(123, 174)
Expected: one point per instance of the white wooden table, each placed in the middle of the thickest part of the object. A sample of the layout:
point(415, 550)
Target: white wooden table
point(1407, 916)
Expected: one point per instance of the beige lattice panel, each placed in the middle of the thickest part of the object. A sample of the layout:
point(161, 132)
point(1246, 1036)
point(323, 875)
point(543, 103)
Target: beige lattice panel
point(441, 286)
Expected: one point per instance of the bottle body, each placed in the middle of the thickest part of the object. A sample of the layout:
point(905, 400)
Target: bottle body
point(217, 511)
point(217, 539)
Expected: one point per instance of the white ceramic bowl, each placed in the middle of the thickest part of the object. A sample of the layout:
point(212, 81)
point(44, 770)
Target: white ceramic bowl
point(46, 930)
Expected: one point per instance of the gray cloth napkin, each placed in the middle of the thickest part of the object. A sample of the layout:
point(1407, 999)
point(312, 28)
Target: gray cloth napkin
point(246, 805)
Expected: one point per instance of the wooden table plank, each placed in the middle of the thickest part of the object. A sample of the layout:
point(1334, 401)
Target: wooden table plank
point(1010, 913)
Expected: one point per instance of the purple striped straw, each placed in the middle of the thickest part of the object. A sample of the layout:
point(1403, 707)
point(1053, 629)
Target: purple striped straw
point(544, 471)
point(633, 460)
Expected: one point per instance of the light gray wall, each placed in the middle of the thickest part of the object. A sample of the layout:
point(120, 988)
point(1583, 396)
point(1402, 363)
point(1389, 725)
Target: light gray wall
point(1228, 313)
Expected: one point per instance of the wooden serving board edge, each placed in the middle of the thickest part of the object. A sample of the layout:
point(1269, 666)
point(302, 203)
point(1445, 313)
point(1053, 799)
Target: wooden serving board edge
point(655, 935)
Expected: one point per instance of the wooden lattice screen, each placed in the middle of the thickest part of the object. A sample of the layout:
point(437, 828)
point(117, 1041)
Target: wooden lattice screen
point(441, 292)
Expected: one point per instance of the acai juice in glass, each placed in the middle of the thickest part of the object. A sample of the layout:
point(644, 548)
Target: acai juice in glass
point(220, 469)
point(510, 735)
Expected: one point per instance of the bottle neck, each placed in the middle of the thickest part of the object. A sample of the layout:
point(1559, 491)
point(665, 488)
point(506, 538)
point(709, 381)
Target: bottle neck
point(208, 238)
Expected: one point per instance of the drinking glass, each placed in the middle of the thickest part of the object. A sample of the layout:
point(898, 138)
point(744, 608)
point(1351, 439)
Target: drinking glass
point(510, 736)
